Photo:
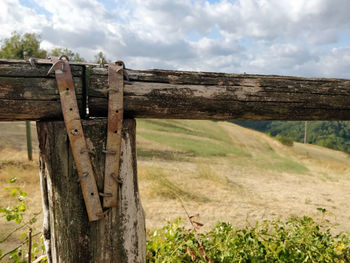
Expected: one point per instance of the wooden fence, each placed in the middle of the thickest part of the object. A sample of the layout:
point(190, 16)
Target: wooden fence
point(28, 93)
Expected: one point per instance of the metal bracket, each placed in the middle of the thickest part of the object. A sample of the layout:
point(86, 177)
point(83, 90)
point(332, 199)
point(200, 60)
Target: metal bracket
point(77, 140)
point(114, 132)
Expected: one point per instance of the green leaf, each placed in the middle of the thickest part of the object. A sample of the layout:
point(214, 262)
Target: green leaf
point(14, 191)
point(13, 180)
point(323, 210)
point(21, 198)
point(9, 217)
point(22, 207)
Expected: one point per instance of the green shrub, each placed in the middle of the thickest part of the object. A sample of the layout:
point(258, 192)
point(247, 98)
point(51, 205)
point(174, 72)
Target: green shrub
point(19, 213)
point(285, 140)
point(295, 240)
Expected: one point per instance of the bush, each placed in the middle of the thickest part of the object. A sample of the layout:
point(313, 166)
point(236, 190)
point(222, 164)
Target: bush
point(285, 140)
point(295, 240)
point(19, 213)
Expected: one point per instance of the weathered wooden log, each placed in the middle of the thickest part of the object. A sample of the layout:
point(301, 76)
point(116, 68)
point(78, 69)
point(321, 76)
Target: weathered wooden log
point(27, 93)
point(69, 236)
point(176, 94)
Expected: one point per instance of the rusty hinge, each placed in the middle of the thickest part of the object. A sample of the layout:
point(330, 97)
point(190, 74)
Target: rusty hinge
point(114, 133)
point(77, 140)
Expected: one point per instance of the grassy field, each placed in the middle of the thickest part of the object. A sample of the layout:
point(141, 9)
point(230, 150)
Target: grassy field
point(225, 172)
point(218, 170)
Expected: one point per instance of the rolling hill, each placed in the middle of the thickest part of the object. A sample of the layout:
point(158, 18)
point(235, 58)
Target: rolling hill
point(217, 169)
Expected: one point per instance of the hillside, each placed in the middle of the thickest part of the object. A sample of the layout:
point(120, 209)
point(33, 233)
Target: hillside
point(331, 134)
point(224, 171)
point(219, 170)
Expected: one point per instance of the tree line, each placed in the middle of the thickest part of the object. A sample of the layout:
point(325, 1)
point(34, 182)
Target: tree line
point(330, 134)
point(21, 46)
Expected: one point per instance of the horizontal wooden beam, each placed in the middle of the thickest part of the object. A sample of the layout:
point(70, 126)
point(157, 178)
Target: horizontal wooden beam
point(27, 93)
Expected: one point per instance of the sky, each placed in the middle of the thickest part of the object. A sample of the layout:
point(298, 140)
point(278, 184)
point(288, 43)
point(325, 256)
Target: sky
point(285, 37)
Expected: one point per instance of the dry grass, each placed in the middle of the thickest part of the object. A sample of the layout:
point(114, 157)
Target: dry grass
point(225, 173)
point(14, 164)
point(269, 180)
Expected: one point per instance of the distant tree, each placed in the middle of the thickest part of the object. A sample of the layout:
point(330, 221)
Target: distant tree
point(331, 134)
point(101, 58)
point(78, 58)
point(56, 52)
point(20, 46)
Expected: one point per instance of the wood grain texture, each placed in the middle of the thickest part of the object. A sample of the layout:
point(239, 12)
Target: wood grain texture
point(69, 236)
point(178, 94)
point(27, 93)
point(219, 96)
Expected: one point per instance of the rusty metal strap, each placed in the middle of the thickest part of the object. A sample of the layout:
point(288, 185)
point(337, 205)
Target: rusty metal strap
point(77, 140)
point(114, 133)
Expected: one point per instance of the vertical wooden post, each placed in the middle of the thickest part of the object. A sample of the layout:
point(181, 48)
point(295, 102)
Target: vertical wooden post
point(29, 141)
point(69, 236)
point(305, 132)
point(30, 246)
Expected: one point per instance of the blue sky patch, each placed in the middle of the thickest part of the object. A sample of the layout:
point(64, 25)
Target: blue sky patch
point(37, 8)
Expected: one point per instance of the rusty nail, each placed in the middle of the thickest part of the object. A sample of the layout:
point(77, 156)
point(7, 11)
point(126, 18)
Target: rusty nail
point(103, 213)
point(87, 151)
point(85, 174)
point(108, 152)
point(74, 132)
point(117, 179)
point(105, 194)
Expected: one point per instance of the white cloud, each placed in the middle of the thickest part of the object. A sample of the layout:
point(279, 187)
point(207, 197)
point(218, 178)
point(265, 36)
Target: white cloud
point(14, 16)
point(255, 36)
point(336, 63)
